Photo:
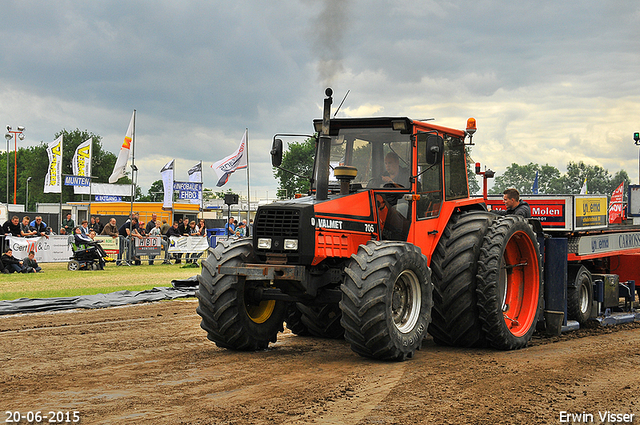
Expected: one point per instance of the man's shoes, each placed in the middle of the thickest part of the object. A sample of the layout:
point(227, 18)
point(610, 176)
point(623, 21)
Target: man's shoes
point(5, 271)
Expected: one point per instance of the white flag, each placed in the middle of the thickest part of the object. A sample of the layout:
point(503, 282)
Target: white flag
point(195, 175)
point(167, 183)
point(82, 164)
point(53, 180)
point(583, 191)
point(228, 165)
point(119, 170)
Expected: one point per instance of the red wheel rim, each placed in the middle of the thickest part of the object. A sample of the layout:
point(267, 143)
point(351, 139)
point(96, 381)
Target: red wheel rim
point(519, 284)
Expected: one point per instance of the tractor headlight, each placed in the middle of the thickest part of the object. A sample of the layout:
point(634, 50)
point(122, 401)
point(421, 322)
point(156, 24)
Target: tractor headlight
point(264, 243)
point(291, 244)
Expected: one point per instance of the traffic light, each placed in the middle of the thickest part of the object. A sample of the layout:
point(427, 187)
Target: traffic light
point(636, 137)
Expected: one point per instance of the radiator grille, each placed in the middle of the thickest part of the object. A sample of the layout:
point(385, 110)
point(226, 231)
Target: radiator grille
point(278, 223)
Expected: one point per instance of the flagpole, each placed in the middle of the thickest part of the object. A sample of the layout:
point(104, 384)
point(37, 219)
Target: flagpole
point(201, 192)
point(133, 170)
point(248, 188)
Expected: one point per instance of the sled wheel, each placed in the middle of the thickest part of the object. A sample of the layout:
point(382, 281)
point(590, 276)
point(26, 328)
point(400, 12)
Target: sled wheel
point(454, 266)
point(230, 316)
point(509, 283)
point(386, 300)
point(73, 265)
point(579, 294)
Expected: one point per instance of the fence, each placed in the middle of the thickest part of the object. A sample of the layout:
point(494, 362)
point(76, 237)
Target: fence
point(57, 248)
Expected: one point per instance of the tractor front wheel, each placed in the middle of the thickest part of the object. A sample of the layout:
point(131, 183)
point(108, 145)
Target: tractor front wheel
point(230, 315)
point(386, 300)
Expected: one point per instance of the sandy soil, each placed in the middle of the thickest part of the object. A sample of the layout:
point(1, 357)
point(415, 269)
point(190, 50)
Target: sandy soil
point(152, 363)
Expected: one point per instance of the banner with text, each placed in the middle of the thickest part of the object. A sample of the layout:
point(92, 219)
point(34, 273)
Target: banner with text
point(188, 244)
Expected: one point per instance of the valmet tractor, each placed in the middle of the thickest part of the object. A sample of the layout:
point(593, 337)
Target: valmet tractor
point(387, 246)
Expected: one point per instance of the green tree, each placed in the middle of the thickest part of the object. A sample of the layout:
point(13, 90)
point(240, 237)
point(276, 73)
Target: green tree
point(299, 159)
point(155, 193)
point(598, 179)
point(517, 176)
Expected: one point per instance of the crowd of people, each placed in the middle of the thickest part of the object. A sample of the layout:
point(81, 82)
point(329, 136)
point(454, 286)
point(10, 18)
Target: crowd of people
point(85, 233)
point(240, 229)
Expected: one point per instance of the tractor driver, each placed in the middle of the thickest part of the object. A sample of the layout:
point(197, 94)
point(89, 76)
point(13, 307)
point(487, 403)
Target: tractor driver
point(394, 176)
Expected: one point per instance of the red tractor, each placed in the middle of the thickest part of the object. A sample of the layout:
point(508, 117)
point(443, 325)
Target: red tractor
point(387, 246)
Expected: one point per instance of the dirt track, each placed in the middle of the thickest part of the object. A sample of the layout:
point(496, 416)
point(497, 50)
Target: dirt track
point(153, 364)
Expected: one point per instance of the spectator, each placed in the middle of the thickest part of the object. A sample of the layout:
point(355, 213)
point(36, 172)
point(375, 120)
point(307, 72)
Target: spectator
point(155, 232)
point(99, 226)
point(175, 231)
point(193, 231)
point(11, 263)
point(151, 224)
point(183, 226)
point(92, 223)
point(230, 228)
point(111, 229)
point(142, 228)
point(246, 227)
point(202, 228)
point(68, 224)
point(40, 227)
point(165, 227)
point(31, 265)
point(84, 227)
point(127, 230)
point(82, 239)
point(12, 227)
point(25, 230)
point(241, 230)
point(3, 269)
point(63, 231)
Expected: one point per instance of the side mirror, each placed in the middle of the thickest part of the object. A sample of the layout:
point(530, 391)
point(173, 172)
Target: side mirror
point(430, 148)
point(276, 153)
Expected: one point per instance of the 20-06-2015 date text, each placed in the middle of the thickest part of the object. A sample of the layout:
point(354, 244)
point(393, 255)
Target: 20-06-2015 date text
point(53, 417)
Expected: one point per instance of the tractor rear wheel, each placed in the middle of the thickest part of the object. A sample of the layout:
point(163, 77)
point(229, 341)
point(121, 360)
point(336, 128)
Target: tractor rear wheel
point(579, 294)
point(293, 320)
point(509, 284)
point(230, 316)
point(322, 321)
point(454, 266)
point(386, 300)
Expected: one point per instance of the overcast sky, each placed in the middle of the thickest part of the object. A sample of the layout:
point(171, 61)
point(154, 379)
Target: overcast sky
point(548, 81)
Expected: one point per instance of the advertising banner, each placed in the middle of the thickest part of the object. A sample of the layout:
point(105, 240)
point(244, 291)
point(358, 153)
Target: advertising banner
point(107, 198)
point(110, 245)
point(591, 212)
point(188, 190)
point(188, 244)
point(77, 181)
point(551, 211)
point(148, 246)
point(53, 180)
point(81, 165)
point(48, 250)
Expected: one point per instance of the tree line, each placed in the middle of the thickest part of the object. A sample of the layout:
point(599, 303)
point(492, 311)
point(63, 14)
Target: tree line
point(299, 158)
point(33, 161)
point(552, 182)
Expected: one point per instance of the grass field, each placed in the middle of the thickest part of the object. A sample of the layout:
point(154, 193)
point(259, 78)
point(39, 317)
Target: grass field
point(57, 281)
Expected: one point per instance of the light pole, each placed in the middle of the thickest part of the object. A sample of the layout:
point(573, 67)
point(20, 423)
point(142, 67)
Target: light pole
point(27, 196)
point(17, 134)
point(636, 137)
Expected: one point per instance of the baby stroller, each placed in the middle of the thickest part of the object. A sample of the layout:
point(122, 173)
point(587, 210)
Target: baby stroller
point(84, 257)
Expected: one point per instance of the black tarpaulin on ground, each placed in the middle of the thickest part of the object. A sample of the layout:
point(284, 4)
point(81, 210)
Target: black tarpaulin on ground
point(181, 288)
